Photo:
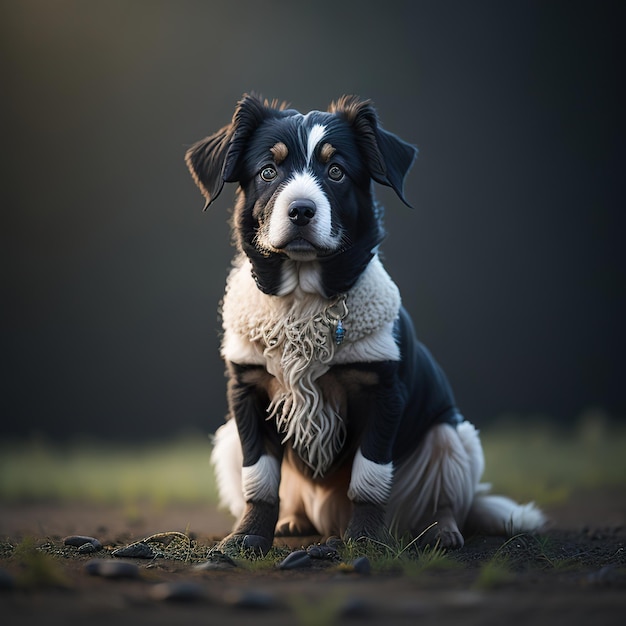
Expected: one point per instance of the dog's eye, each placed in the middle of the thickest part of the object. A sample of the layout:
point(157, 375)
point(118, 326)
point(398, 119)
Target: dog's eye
point(335, 172)
point(268, 174)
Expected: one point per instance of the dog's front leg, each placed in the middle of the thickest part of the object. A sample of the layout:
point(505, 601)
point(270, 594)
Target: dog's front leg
point(372, 468)
point(260, 474)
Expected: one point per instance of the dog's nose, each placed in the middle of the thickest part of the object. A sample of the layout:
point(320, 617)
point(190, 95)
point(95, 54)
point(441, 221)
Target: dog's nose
point(301, 211)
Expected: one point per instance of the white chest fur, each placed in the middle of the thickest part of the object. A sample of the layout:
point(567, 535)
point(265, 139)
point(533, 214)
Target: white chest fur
point(293, 338)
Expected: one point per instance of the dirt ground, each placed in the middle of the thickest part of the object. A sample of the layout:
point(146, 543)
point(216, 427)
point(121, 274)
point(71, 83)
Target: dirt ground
point(574, 573)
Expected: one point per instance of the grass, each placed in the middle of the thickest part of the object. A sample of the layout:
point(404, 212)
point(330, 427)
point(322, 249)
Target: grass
point(494, 573)
point(37, 568)
point(524, 552)
point(98, 473)
point(399, 554)
point(254, 562)
point(532, 460)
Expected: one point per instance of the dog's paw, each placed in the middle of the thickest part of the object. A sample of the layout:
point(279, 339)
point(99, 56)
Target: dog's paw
point(294, 525)
point(236, 544)
point(450, 538)
point(448, 534)
point(367, 522)
point(443, 533)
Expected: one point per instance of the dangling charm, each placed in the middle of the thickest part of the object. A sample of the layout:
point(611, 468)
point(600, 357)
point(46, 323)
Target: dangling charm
point(340, 332)
point(335, 314)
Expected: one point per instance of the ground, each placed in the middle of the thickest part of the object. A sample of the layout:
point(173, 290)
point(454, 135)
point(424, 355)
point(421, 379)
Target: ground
point(574, 573)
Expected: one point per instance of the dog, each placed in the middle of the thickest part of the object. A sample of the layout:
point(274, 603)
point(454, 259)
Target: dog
point(340, 422)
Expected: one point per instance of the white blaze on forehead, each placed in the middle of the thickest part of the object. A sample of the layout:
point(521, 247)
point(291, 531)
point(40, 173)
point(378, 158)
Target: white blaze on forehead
point(316, 134)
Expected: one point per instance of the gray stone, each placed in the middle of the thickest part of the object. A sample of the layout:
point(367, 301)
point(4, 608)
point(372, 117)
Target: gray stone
point(180, 591)
point(322, 552)
point(250, 599)
point(78, 541)
point(109, 568)
point(362, 566)
point(87, 548)
point(296, 560)
point(138, 550)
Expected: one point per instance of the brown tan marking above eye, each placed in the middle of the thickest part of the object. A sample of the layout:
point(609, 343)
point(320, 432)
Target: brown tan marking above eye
point(326, 152)
point(279, 152)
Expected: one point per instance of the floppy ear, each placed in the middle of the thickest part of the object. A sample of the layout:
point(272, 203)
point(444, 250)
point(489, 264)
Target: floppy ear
point(389, 158)
point(217, 158)
point(205, 160)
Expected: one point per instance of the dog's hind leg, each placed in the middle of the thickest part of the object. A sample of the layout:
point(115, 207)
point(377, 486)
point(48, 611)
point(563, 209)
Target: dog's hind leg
point(435, 486)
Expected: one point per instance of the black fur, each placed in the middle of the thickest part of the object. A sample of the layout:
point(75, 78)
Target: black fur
point(365, 151)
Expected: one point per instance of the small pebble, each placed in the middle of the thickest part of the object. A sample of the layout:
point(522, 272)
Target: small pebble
point(322, 552)
point(182, 591)
point(296, 560)
point(78, 541)
point(362, 566)
point(87, 548)
point(250, 599)
point(334, 542)
point(355, 607)
point(108, 568)
point(137, 550)
point(217, 556)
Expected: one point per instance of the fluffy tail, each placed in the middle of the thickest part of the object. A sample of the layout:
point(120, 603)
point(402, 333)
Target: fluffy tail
point(227, 460)
point(489, 514)
point(498, 515)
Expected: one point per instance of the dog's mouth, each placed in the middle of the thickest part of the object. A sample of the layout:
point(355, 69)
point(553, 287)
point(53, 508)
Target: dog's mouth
point(301, 249)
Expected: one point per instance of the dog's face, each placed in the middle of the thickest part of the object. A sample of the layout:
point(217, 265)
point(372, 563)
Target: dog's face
point(305, 187)
point(303, 183)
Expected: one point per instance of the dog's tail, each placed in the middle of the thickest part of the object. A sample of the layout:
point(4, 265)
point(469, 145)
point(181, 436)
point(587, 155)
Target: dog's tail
point(227, 460)
point(499, 515)
point(490, 514)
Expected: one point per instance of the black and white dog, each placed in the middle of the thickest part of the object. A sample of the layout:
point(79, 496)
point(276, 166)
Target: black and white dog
point(340, 422)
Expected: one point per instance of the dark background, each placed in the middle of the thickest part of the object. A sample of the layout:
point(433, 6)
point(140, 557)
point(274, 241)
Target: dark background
point(511, 263)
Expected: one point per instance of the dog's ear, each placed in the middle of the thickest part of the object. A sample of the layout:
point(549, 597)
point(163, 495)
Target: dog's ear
point(205, 160)
point(216, 159)
point(389, 158)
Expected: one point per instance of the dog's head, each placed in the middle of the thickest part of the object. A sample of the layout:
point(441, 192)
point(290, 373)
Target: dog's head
point(305, 186)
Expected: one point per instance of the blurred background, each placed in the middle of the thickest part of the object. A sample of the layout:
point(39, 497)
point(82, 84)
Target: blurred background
point(511, 263)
